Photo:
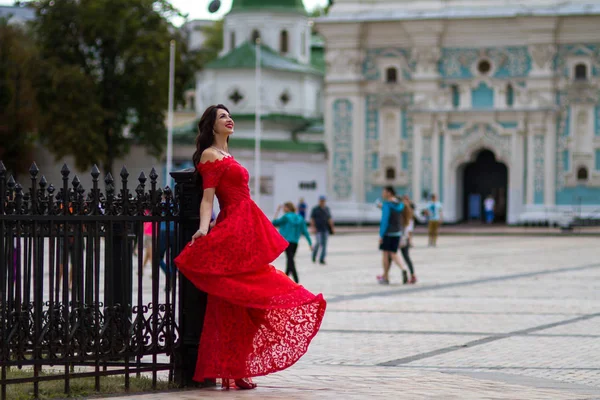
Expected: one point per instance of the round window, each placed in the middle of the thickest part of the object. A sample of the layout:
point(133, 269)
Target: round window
point(484, 67)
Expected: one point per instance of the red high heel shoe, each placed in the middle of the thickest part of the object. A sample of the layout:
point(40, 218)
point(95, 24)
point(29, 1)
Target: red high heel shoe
point(241, 384)
point(245, 384)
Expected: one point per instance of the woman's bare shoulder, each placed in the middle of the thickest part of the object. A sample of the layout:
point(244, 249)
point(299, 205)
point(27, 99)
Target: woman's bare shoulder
point(209, 155)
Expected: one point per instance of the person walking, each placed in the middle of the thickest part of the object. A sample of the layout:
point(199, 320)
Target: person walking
point(390, 231)
point(291, 226)
point(321, 224)
point(488, 205)
point(302, 208)
point(408, 226)
point(434, 214)
point(147, 242)
point(257, 320)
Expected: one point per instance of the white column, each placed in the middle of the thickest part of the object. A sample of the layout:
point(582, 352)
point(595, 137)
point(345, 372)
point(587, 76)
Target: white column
point(435, 159)
point(170, 113)
point(416, 164)
point(257, 123)
point(530, 188)
point(516, 166)
point(449, 183)
point(329, 132)
point(358, 148)
point(550, 162)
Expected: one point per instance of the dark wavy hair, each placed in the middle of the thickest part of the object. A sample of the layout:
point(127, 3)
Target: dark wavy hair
point(205, 137)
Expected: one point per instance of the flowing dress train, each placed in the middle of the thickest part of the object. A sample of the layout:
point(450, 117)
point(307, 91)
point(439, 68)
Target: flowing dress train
point(257, 320)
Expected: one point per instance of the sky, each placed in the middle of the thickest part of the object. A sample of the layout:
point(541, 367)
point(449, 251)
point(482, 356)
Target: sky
point(198, 9)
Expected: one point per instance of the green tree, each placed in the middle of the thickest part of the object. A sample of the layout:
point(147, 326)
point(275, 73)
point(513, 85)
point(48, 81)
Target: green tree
point(104, 77)
point(213, 42)
point(18, 106)
point(320, 11)
point(190, 61)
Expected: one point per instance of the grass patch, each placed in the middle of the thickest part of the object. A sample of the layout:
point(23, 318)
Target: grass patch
point(80, 387)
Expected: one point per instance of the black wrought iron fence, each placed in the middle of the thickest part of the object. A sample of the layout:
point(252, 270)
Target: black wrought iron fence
point(75, 296)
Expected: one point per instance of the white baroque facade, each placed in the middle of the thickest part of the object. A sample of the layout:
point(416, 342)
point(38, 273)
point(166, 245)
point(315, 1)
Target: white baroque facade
point(462, 98)
point(293, 156)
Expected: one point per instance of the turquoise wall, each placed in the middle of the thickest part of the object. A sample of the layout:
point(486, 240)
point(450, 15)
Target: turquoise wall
point(583, 195)
point(375, 193)
point(509, 124)
point(597, 120)
point(507, 62)
point(374, 161)
point(482, 97)
point(455, 125)
point(342, 148)
point(512, 66)
point(404, 126)
point(405, 159)
point(525, 162)
point(441, 168)
point(566, 163)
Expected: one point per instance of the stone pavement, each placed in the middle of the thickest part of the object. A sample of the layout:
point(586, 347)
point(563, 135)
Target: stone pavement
point(492, 317)
point(478, 229)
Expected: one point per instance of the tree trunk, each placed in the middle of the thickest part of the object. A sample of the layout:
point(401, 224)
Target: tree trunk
point(109, 160)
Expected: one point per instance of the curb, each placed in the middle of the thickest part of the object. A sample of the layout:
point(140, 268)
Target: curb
point(485, 233)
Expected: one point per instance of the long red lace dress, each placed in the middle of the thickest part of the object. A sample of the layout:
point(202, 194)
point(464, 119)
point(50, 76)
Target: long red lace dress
point(257, 320)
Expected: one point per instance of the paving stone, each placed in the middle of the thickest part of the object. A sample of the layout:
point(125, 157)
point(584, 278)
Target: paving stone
point(492, 317)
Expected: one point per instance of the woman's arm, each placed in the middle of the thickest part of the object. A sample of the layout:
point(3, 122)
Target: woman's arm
point(306, 234)
point(206, 209)
point(208, 196)
point(385, 217)
point(276, 221)
point(330, 221)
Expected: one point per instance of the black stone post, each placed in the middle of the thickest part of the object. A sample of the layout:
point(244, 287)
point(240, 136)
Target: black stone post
point(192, 302)
point(118, 278)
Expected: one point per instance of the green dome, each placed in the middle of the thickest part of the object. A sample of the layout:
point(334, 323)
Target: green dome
point(274, 5)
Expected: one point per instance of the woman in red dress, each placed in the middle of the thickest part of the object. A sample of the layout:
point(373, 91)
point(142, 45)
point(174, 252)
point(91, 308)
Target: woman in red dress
point(257, 320)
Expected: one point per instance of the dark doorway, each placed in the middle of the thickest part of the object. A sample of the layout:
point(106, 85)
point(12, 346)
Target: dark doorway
point(481, 178)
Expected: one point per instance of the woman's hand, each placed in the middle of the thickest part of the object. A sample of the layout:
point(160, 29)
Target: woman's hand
point(199, 233)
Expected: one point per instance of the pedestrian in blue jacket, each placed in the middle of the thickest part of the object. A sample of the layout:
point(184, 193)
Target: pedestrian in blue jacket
point(390, 231)
point(291, 226)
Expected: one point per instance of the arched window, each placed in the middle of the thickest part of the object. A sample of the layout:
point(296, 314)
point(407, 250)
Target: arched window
point(283, 42)
point(390, 174)
point(232, 40)
point(510, 95)
point(455, 96)
point(391, 75)
point(255, 36)
point(581, 72)
point(582, 174)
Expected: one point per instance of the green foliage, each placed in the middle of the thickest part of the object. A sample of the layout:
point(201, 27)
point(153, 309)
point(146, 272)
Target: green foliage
point(18, 106)
point(80, 387)
point(104, 72)
point(213, 42)
point(320, 11)
point(193, 60)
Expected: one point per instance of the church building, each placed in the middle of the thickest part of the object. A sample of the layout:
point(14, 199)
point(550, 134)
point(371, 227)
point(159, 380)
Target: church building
point(293, 156)
point(463, 99)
